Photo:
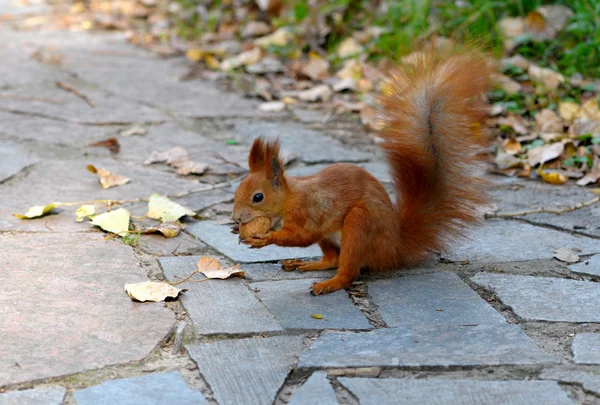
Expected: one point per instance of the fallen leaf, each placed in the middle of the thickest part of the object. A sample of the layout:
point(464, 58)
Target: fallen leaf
point(116, 222)
point(190, 167)
point(266, 65)
point(516, 60)
point(212, 268)
point(349, 47)
point(566, 255)
point(108, 179)
point(165, 210)
point(272, 106)
point(255, 29)
point(517, 123)
point(134, 130)
point(543, 154)
point(37, 211)
point(590, 110)
point(548, 77)
point(568, 110)
point(507, 84)
point(592, 177)
point(318, 93)
point(151, 291)
point(245, 58)
point(171, 156)
point(512, 146)
point(552, 177)
point(316, 69)
point(281, 37)
point(87, 210)
point(506, 160)
point(112, 144)
point(167, 229)
point(317, 316)
point(195, 54)
point(549, 122)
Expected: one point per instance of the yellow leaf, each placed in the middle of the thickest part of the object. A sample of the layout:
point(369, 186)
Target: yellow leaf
point(535, 21)
point(590, 110)
point(108, 179)
point(212, 62)
point(84, 211)
point(37, 211)
point(165, 210)
point(512, 146)
point(568, 110)
point(195, 54)
point(151, 291)
point(595, 190)
point(116, 222)
point(317, 316)
point(552, 178)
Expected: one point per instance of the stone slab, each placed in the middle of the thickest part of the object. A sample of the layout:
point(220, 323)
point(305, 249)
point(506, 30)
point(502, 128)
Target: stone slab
point(221, 239)
point(63, 309)
point(37, 396)
point(535, 194)
point(545, 298)
point(371, 391)
point(183, 244)
point(219, 306)
point(246, 371)
point(513, 241)
point(292, 304)
point(586, 348)
point(13, 159)
point(430, 299)
point(589, 381)
point(311, 146)
point(590, 266)
point(48, 100)
point(154, 389)
point(316, 390)
point(501, 344)
point(69, 181)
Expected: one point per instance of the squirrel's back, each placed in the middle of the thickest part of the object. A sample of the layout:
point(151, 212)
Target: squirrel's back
point(432, 116)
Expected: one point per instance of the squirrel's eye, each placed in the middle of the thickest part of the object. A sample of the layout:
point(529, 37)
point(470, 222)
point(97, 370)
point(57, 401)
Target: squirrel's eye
point(258, 197)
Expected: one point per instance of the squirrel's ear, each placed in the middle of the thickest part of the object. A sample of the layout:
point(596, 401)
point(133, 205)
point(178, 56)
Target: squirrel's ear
point(256, 159)
point(274, 164)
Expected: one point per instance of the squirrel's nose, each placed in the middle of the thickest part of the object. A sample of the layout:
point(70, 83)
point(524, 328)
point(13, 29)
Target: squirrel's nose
point(235, 217)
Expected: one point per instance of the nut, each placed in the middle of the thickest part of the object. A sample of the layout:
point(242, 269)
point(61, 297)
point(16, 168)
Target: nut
point(257, 225)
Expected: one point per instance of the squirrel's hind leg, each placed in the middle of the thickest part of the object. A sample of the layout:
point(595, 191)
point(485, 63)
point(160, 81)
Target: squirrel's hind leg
point(354, 235)
point(331, 254)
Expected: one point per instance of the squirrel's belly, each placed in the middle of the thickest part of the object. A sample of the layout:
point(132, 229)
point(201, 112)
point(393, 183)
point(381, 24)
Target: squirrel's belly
point(335, 238)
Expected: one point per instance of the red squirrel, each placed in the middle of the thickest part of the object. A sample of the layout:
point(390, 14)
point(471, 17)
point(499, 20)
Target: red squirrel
point(432, 128)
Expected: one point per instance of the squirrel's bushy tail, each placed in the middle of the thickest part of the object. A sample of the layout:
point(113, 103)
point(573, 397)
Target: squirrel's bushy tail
point(432, 115)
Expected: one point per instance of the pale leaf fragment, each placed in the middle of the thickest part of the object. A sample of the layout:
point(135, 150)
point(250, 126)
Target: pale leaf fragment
point(210, 270)
point(151, 291)
point(189, 167)
point(37, 211)
point(591, 177)
point(548, 121)
point(349, 47)
point(171, 156)
point(566, 255)
point(318, 93)
point(568, 110)
point(545, 153)
point(281, 37)
point(167, 229)
point(86, 210)
point(116, 222)
point(165, 210)
point(108, 179)
point(548, 77)
point(316, 69)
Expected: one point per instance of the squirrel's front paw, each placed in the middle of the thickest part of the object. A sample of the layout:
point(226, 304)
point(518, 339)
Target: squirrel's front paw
point(258, 240)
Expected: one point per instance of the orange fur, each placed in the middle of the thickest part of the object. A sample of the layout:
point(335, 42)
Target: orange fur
point(432, 129)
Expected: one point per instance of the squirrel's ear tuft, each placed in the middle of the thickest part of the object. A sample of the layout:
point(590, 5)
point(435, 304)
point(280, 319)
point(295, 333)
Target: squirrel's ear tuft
point(256, 159)
point(274, 164)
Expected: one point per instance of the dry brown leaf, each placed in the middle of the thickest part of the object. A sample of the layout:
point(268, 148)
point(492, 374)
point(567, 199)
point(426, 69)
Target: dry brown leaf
point(509, 85)
point(281, 37)
point(543, 154)
point(590, 110)
point(549, 122)
point(112, 144)
point(108, 179)
point(517, 123)
point(316, 69)
point(190, 167)
point(212, 268)
point(167, 229)
point(566, 255)
point(548, 77)
point(349, 47)
point(512, 146)
point(245, 58)
point(568, 110)
point(318, 93)
point(151, 291)
point(171, 156)
point(592, 177)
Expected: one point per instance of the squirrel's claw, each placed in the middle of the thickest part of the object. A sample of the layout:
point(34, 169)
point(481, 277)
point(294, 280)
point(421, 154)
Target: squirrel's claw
point(257, 241)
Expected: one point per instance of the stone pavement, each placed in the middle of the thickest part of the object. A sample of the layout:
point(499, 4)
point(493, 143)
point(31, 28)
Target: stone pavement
point(496, 321)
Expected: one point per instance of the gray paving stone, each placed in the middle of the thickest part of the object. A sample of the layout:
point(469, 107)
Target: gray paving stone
point(431, 299)
point(246, 371)
point(221, 238)
point(293, 305)
point(219, 306)
point(545, 298)
point(513, 241)
point(63, 309)
point(13, 8)
point(426, 346)
point(20, 68)
point(590, 266)
point(37, 396)
point(49, 100)
point(13, 159)
point(183, 244)
point(586, 348)
point(316, 390)
point(535, 194)
point(394, 391)
point(69, 181)
point(312, 146)
point(589, 381)
point(153, 389)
